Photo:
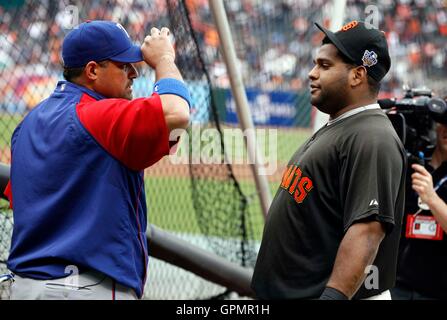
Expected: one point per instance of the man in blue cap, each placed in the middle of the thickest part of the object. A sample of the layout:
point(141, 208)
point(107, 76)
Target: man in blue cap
point(77, 181)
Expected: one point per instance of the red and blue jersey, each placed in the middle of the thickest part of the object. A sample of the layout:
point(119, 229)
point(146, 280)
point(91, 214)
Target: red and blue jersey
point(77, 184)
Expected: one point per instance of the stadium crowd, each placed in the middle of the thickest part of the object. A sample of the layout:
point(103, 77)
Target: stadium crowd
point(275, 40)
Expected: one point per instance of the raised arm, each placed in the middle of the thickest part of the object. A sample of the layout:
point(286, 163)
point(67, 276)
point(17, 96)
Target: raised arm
point(159, 53)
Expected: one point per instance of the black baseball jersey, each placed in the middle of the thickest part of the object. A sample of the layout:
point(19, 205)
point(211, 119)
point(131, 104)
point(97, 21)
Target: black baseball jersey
point(350, 171)
point(422, 263)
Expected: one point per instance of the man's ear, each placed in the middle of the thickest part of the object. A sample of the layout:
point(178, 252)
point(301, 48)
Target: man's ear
point(91, 70)
point(358, 76)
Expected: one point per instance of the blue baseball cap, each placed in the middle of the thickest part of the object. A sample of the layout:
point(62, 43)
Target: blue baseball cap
point(97, 41)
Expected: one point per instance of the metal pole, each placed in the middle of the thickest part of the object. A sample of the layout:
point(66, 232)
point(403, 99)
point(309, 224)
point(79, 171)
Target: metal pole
point(169, 248)
point(337, 14)
point(240, 97)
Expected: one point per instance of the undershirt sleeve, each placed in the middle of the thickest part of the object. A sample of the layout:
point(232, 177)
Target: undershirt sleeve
point(8, 193)
point(132, 131)
point(8, 189)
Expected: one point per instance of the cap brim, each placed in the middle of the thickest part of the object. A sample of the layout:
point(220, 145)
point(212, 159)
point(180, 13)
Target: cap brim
point(333, 39)
point(133, 54)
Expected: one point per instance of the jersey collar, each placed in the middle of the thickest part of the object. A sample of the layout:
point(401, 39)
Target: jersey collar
point(353, 112)
point(68, 86)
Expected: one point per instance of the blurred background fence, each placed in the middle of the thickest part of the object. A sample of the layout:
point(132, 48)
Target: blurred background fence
point(213, 206)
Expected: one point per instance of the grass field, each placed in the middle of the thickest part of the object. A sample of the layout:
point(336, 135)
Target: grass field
point(8, 123)
point(173, 210)
point(169, 199)
point(287, 139)
point(177, 213)
point(4, 205)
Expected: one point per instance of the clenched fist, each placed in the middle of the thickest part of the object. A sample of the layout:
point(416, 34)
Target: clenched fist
point(157, 47)
point(422, 183)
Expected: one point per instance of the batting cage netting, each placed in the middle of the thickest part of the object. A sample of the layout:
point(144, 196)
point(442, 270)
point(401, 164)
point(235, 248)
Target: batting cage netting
point(211, 204)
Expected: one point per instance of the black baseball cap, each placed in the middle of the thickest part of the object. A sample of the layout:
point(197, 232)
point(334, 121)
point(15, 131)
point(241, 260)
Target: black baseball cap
point(363, 45)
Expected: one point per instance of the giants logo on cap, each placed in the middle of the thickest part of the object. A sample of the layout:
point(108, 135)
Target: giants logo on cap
point(369, 58)
point(349, 25)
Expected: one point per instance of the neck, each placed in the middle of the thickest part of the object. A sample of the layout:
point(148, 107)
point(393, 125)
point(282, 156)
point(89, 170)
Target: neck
point(437, 158)
point(81, 82)
point(358, 103)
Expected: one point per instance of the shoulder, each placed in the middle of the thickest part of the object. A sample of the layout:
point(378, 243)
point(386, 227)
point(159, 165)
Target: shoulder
point(372, 126)
point(442, 169)
point(439, 174)
point(372, 135)
point(25, 120)
point(373, 121)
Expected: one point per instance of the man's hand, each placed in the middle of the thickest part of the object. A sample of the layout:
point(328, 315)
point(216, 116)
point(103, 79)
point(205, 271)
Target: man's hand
point(159, 54)
point(157, 47)
point(422, 183)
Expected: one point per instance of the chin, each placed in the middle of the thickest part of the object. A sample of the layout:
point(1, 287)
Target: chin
point(314, 101)
point(323, 108)
point(128, 96)
point(317, 104)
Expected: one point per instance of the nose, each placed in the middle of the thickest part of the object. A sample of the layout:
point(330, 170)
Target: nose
point(133, 72)
point(313, 74)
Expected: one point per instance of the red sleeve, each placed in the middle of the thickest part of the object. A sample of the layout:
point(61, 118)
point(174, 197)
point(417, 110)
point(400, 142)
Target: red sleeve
point(133, 131)
point(8, 193)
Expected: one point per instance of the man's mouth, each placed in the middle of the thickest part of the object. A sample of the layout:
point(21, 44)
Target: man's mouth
point(314, 88)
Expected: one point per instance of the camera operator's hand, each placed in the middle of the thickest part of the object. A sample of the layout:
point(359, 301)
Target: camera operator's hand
point(422, 183)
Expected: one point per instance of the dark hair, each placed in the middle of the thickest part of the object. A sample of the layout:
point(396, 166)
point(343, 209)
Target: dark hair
point(71, 74)
point(374, 85)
